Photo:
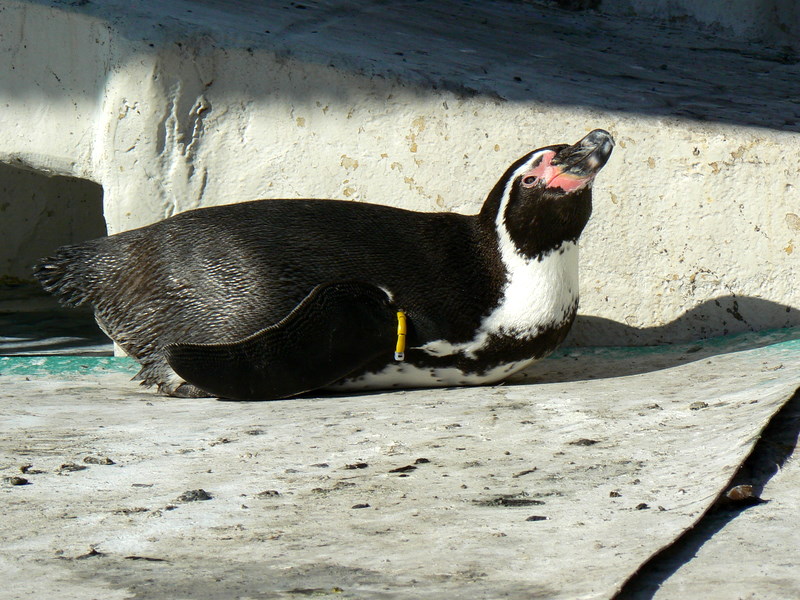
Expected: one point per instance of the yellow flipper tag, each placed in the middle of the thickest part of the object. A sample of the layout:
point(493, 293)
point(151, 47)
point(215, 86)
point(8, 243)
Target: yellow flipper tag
point(400, 349)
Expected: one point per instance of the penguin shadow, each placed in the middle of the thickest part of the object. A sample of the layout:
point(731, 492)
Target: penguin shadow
point(32, 324)
point(599, 348)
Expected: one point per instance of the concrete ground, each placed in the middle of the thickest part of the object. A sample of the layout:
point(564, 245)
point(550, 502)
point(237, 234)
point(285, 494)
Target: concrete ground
point(589, 468)
point(599, 473)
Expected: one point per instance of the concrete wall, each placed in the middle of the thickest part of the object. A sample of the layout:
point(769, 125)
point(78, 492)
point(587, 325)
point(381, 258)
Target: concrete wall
point(174, 105)
point(774, 21)
point(39, 213)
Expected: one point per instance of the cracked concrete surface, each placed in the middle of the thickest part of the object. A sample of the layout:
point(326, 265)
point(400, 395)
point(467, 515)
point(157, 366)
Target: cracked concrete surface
point(711, 556)
point(560, 488)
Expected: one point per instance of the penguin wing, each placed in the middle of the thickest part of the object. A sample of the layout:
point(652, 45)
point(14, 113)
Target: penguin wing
point(336, 329)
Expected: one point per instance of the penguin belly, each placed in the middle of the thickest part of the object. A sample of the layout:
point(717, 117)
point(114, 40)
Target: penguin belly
point(409, 375)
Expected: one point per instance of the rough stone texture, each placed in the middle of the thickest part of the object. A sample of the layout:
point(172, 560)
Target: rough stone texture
point(418, 494)
point(174, 105)
point(40, 213)
point(728, 538)
point(772, 20)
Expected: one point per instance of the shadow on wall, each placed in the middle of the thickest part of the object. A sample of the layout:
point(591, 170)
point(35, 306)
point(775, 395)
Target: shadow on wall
point(48, 330)
point(718, 326)
point(720, 316)
point(503, 50)
point(40, 213)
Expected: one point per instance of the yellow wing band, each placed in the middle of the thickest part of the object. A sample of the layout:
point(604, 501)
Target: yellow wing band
point(400, 349)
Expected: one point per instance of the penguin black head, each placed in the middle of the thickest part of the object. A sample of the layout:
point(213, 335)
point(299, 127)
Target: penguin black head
point(545, 198)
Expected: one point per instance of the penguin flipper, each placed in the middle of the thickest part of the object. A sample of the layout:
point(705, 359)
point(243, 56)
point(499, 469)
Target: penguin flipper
point(337, 328)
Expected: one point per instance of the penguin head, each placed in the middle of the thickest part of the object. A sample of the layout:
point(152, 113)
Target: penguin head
point(545, 198)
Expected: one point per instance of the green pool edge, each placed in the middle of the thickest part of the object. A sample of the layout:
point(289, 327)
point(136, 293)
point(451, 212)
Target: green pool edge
point(65, 365)
point(788, 338)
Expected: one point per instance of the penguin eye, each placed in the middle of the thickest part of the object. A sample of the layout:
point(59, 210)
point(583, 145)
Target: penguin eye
point(529, 180)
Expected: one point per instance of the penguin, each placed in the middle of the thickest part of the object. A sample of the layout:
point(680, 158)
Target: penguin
point(269, 299)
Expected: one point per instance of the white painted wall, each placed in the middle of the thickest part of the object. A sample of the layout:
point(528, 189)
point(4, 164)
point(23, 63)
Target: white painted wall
point(174, 105)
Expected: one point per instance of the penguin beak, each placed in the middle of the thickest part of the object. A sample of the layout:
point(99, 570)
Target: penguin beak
point(571, 168)
point(585, 158)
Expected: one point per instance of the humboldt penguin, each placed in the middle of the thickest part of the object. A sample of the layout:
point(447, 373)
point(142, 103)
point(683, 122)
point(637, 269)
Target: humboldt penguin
point(268, 299)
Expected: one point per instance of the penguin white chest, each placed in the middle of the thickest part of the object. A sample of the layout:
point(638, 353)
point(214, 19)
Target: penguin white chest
point(540, 294)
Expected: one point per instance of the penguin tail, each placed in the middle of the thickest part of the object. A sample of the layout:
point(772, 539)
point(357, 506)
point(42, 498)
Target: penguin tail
point(67, 274)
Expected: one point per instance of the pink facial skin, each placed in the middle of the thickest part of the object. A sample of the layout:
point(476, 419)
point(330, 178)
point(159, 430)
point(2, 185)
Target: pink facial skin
point(553, 177)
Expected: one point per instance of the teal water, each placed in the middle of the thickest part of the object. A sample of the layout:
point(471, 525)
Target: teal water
point(50, 365)
point(788, 339)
